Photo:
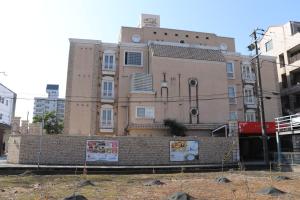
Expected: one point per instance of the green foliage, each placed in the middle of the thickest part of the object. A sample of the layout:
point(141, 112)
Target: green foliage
point(175, 127)
point(52, 125)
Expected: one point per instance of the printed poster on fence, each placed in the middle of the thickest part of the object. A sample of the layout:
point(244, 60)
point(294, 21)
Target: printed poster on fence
point(102, 150)
point(184, 150)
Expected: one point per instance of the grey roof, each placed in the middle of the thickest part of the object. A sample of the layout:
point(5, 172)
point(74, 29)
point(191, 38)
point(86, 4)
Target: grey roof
point(52, 87)
point(187, 52)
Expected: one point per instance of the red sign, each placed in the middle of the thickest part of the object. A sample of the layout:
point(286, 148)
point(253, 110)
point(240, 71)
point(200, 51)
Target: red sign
point(254, 128)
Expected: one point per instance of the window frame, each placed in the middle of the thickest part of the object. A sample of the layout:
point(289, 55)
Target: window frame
point(107, 80)
point(233, 72)
point(147, 110)
point(132, 65)
point(236, 115)
point(252, 115)
point(269, 45)
point(104, 123)
point(113, 64)
point(251, 96)
point(233, 97)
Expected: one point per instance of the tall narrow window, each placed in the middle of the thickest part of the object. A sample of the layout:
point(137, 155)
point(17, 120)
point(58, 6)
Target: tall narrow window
point(269, 45)
point(107, 88)
point(233, 116)
point(108, 62)
point(232, 95)
point(248, 95)
point(106, 118)
point(250, 116)
point(230, 70)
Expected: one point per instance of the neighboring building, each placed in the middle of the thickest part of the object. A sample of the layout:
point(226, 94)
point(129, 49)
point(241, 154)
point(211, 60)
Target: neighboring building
point(7, 112)
point(154, 73)
point(283, 42)
point(51, 104)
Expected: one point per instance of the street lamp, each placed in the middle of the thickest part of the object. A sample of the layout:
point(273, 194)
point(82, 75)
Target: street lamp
point(252, 47)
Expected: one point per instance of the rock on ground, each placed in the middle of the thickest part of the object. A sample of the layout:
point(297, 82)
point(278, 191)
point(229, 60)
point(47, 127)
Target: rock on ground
point(271, 191)
point(179, 196)
point(76, 197)
point(153, 182)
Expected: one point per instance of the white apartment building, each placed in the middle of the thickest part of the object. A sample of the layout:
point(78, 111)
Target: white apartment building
point(283, 42)
point(50, 104)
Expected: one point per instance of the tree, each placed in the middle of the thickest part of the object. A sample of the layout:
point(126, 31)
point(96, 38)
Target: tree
point(175, 127)
point(52, 125)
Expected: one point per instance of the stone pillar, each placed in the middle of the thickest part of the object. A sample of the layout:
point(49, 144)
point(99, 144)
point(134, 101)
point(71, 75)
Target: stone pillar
point(16, 125)
point(35, 128)
point(24, 127)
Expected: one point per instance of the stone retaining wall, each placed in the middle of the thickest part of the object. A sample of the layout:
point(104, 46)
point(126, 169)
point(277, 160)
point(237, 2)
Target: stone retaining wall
point(71, 150)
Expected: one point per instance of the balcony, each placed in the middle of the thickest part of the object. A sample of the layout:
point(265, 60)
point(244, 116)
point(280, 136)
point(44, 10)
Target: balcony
point(250, 102)
point(107, 99)
point(109, 70)
point(294, 57)
point(203, 126)
point(249, 77)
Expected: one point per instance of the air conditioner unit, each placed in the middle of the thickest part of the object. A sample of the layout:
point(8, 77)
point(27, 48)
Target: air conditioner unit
point(193, 82)
point(194, 111)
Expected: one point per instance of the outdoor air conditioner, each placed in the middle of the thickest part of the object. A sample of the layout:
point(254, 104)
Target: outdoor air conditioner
point(193, 82)
point(194, 111)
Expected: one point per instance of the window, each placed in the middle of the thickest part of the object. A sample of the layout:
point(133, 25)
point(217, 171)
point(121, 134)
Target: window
point(108, 62)
point(182, 41)
point(145, 112)
point(154, 32)
point(230, 70)
point(186, 35)
point(250, 116)
point(176, 34)
point(269, 45)
point(107, 88)
point(1, 115)
point(233, 116)
point(6, 102)
point(231, 95)
point(106, 118)
point(197, 36)
point(133, 58)
point(166, 33)
point(248, 74)
point(248, 95)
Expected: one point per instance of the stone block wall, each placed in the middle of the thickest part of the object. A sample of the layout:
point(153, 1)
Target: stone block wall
point(71, 150)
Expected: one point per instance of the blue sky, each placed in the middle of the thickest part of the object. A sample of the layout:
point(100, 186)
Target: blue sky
point(34, 33)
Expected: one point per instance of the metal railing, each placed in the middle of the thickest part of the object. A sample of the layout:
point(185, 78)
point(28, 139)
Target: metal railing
point(288, 123)
point(288, 157)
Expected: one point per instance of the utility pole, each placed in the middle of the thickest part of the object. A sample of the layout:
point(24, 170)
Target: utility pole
point(260, 97)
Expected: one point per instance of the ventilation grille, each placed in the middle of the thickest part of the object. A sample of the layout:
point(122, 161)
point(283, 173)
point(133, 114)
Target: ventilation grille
point(141, 82)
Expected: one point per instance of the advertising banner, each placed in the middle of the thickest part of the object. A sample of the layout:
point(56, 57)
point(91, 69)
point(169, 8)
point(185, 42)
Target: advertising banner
point(102, 150)
point(184, 150)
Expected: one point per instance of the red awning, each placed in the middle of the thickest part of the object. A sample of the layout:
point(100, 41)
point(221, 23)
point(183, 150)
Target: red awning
point(254, 128)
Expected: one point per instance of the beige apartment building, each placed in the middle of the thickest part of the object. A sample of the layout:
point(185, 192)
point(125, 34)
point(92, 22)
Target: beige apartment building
point(283, 42)
point(154, 73)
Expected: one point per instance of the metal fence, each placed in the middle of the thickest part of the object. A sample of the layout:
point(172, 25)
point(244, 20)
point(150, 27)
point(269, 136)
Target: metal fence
point(288, 123)
point(288, 157)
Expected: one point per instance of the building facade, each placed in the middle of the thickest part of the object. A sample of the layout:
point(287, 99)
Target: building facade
point(51, 104)
point(7, 112)
point(153, 74)
point(283, 42)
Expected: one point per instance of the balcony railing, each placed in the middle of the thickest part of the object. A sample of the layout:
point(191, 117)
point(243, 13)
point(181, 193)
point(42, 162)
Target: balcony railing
point(294, 58)
point(249, 77)
point(288, 123)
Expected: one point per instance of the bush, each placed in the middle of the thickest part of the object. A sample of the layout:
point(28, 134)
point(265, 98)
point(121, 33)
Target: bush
point(175, 128)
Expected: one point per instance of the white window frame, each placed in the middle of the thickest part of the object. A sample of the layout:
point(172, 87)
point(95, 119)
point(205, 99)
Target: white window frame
point(149, 112)
point(232, 100)
point(113, 64)
point(249, 98)
point(107, 79)
point(269, 45)
point(247, 72)
point(230, 72)
point(142, 56)
point(107, 124)
point(231, 113)
point(250, 116)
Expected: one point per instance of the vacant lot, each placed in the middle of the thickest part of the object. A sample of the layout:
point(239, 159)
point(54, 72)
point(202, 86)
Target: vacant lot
point(243, 185)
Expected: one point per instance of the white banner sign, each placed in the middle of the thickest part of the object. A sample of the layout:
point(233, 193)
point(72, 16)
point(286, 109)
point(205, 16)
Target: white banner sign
point(184, 150)
point(102, 150)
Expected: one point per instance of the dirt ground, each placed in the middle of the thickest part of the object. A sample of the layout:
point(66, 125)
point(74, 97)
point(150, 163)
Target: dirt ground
point(243, 185)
